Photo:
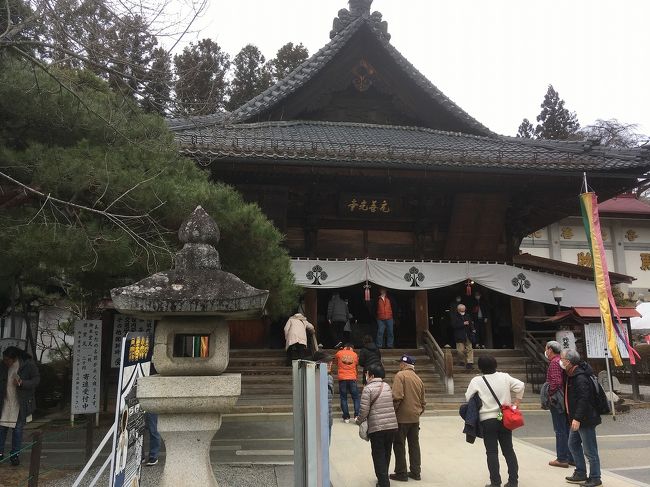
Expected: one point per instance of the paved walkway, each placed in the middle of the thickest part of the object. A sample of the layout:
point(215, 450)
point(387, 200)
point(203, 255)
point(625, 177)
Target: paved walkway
point(447, 459)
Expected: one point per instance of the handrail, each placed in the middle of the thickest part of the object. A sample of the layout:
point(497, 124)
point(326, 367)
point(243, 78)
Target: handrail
point(442, 361)
point(534, 351)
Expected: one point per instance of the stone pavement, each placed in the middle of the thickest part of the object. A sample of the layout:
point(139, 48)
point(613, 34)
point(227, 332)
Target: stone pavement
point(448, 460)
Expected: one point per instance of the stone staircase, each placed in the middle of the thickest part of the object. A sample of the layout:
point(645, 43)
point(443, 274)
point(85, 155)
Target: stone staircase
point(267, 381)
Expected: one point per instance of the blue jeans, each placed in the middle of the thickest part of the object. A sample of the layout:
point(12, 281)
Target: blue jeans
point(561, 428)
point(154, 436)
point(585, 438)
point(385, 325)
point(346, 386)
point(16, 437)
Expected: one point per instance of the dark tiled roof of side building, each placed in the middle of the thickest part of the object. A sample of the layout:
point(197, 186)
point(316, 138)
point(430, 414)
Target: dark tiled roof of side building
point(342, 143)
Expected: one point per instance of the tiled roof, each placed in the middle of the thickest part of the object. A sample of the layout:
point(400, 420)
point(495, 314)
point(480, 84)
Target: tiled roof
point(343, 143)
point(312, 66)
point(625, 203)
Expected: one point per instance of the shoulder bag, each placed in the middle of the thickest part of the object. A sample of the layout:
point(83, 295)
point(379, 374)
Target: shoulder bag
point(511, 417)
point(363, 427)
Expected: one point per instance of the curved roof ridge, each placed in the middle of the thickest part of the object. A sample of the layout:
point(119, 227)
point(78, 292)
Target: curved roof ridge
point(327, 52)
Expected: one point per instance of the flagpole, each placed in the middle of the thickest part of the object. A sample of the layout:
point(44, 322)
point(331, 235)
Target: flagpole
point(609, 375)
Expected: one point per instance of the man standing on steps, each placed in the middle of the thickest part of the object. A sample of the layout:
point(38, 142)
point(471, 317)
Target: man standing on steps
point(409, 403)
point(384, 313)
point(463, 332)
point(347, 362)
point(555, 380)
point(337, 316)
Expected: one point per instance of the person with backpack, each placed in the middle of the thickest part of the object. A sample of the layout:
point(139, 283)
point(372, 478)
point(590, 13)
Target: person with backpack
point(369, 355)
point(583, 410)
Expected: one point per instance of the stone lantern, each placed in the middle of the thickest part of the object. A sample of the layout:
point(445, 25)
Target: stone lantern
point(190, 394)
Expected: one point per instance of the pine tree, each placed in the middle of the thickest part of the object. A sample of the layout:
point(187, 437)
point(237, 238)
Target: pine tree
point(526, 130)
point(201, 83)
point(555, 121)
point(288, 58)
point(251, 76)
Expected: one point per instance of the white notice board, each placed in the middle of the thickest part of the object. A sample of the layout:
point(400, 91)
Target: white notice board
point(595, 342)
point(86, 366)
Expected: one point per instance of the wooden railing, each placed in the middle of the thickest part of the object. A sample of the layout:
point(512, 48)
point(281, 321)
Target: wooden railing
point(442, 360)
point(534, 346)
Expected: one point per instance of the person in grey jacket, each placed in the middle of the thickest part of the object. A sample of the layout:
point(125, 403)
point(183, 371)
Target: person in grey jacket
point(19, 377)
point(377, 408)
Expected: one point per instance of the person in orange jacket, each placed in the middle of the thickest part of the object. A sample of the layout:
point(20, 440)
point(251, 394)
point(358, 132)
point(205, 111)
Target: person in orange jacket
point(347, 362)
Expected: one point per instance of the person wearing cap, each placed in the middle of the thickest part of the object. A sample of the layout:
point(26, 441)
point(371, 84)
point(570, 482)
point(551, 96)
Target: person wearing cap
point(409, 404)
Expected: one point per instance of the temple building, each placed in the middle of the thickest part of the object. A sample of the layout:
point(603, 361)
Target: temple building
point(378, 179)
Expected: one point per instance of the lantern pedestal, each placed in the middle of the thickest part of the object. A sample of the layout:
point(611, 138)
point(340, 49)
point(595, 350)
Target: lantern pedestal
point(189, 413)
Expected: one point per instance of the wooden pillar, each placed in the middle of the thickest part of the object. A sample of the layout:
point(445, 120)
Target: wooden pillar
point(421, 314)
point(518, 321)
point(311, 305)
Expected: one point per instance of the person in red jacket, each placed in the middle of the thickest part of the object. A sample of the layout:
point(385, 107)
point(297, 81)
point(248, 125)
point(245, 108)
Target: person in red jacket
point(384, 313)
point(347, 362)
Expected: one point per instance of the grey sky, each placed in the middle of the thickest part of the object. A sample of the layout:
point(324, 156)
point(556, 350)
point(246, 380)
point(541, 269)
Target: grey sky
point(494, 58)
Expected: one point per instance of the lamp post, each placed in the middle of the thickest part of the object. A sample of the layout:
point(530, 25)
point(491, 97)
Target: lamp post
point(558, 294)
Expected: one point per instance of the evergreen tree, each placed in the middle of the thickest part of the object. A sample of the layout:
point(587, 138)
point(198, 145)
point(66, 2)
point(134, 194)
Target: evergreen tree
point(156, 96)
point(555, 121)
point(201, 83)
point(251, 76)
point(526, 130)
point(93, 190)
point(288, 58)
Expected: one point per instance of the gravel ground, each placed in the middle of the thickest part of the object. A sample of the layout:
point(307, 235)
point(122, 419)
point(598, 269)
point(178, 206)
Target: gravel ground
point(639, 418)
point(227, 476)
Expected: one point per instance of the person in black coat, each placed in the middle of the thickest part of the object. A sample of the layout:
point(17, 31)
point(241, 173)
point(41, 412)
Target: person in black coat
point(369, 355)
point(581, 398)
point(19, 377)
point(463, 327)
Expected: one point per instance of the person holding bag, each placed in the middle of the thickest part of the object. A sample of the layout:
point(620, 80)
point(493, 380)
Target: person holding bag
point(377, 409)
point(496, 390)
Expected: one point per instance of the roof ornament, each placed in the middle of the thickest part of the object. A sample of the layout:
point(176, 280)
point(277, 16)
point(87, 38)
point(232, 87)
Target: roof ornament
point(359, 9)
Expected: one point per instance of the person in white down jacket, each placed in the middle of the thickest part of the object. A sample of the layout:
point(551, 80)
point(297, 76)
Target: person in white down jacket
point(509, 391)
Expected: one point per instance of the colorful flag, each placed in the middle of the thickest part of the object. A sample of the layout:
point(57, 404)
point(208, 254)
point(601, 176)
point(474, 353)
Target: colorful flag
point(591, 220)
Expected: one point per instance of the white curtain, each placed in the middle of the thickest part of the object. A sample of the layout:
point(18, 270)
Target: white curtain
point(413, 275)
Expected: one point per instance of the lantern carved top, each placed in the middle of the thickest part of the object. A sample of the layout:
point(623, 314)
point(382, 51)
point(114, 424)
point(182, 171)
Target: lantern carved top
point(196, 285)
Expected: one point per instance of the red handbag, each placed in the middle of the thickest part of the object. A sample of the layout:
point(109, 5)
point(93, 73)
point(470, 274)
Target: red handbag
point(510, 415)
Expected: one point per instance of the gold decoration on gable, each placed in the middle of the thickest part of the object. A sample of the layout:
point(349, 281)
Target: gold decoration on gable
point(567, 233)
point(363, 74)
point(645, 262)
point(537, 234)
point(631, 235)
point(585, 259)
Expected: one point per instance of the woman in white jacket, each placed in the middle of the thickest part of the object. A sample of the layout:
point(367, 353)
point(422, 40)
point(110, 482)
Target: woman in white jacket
point(505, 387)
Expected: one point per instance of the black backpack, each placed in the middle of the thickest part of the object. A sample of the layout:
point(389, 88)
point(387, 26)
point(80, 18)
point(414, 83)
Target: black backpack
point(601, 403)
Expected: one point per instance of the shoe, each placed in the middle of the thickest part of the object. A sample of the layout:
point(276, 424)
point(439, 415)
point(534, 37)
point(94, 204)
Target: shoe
point(576, 478)
point(592, 483)
point(414, 476)
point(346, 421)
point(557, 463)
point(14, 460)
point(510, 484)
point(572, 464)
point(401, 477)
point(356, 418)
point(151, 462)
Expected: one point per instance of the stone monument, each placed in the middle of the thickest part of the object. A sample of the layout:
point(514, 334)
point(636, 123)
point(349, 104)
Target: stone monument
point(190, 394)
